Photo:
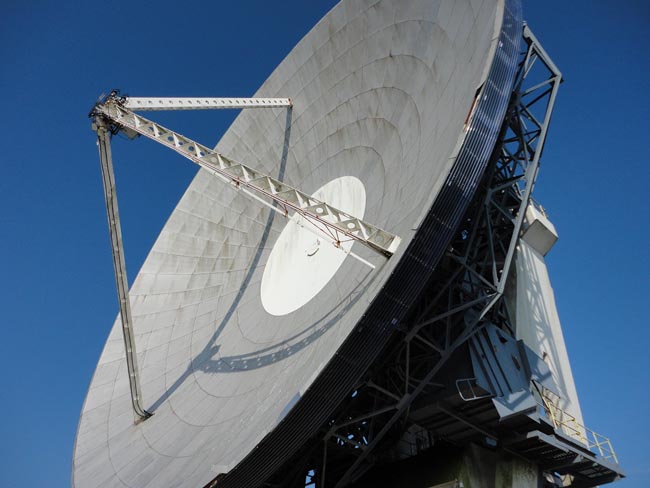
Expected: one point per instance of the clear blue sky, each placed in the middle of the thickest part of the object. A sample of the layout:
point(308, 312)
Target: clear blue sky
point(57, 293)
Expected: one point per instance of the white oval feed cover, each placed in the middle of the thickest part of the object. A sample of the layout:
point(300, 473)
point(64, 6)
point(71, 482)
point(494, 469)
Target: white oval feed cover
point(302, 263)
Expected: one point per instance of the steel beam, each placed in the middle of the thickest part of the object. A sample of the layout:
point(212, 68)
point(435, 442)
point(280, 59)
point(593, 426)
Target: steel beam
point(184, 103)
point(119, 266)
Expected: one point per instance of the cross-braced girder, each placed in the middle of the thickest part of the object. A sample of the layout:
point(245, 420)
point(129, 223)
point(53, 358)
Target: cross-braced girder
point(466, 293)
point(324, 219)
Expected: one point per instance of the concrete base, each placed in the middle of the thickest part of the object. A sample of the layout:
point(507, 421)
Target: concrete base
point(515, 472)
point(449, 466)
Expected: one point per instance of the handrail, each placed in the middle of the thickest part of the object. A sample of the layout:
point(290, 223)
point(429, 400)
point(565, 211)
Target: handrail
point(562, 420)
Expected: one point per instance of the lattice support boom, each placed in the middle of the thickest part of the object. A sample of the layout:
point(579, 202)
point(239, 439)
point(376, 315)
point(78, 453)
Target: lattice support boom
point(331, 223)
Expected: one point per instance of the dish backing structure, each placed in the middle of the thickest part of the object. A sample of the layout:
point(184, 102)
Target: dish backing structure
point(270, 353)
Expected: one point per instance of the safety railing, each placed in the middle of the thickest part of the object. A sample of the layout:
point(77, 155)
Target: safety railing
point(469, 390)
point(562, 420)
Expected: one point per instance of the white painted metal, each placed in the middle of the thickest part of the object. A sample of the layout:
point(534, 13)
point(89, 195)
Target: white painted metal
point(380, 91)
point(300, 257)
point(539, 231)
point(184, 103)
point(538, 323)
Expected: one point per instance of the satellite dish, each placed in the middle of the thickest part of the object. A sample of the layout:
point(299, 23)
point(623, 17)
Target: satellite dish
point(249, 329)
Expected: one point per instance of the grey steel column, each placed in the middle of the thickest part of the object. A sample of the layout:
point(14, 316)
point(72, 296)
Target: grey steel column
point(108, 179)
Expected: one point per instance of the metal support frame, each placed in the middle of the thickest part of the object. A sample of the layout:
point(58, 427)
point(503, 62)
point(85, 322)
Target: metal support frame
point(119, 265)
point(113, 114)
point(105, 127)
point(466, 293)
point(318, 216)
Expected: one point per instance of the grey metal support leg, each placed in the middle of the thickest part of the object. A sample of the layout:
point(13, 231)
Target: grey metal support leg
point(108, 179)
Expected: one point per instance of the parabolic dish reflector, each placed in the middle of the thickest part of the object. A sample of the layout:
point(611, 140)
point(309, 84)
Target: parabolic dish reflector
point(249, 330)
